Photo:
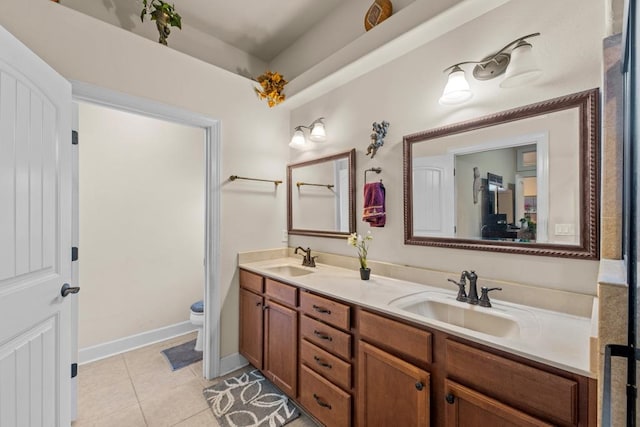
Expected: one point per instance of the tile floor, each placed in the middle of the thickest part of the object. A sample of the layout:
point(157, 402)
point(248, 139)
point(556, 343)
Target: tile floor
point(138, 388)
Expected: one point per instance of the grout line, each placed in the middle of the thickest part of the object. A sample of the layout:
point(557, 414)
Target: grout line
point(126, 365)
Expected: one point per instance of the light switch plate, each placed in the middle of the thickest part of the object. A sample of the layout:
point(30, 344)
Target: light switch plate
point(565, 230)
point(285, 236)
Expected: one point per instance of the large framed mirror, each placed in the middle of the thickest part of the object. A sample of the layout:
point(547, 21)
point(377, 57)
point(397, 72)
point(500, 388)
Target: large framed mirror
point(520, 181)
point(321, 196)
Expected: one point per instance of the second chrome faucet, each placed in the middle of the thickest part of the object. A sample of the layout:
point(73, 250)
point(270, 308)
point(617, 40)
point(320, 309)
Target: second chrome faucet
point(307, 260)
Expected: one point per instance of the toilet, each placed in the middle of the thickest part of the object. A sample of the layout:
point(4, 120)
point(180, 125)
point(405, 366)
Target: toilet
point(197, 318)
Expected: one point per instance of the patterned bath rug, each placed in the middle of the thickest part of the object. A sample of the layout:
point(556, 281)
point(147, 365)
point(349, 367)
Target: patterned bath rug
point(249, 400)
point(182, 355)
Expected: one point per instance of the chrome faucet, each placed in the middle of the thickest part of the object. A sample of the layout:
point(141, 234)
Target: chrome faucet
point(472, 298)
point(307, 260)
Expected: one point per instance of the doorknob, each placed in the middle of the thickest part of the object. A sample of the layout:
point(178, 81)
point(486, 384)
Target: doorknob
point(67, 289)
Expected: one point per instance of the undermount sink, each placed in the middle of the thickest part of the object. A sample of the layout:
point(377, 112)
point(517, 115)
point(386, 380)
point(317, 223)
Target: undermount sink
point(288, 270)
point(499, 321)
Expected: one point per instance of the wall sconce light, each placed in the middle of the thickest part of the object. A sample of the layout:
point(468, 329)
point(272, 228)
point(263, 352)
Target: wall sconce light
point(317, 134)
point(515, 61)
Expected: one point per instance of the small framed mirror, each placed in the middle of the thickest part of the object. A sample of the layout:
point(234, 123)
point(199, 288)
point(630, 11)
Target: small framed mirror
point(520, 181)
point(321, 196)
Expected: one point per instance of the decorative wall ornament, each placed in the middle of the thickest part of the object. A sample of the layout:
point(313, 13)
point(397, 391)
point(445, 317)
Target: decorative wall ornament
point(377, 137)
point(378, 12)
point(165, 16)
point(271, 86)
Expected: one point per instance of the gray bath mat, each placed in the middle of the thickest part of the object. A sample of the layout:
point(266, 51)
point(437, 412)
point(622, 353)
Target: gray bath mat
point(182, 355)
point(249, 400)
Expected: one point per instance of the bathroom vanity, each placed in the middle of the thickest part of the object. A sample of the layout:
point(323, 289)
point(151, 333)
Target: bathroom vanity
point(392, 352)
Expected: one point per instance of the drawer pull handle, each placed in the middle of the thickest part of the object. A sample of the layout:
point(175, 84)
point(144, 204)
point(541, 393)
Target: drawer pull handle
point(322, 336)
point(419, 386)
point(321, 309)
point(258, 304)
point(450, 398)
point(321, 362)
point(320, 402)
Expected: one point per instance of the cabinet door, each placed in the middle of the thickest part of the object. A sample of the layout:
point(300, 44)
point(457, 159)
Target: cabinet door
point(251, 331)
point(468, 408)
point(280, 347)
point(391, 392)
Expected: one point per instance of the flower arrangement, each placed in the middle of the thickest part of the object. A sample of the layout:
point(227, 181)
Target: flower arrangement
point(362, 245)
point(271, 86)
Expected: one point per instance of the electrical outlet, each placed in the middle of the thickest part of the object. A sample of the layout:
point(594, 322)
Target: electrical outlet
point(285, 236)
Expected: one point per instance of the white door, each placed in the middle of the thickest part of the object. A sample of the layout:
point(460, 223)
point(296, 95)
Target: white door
point(35, 239)
point(433, 196)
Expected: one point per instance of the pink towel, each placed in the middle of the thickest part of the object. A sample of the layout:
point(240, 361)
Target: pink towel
point(374, 212)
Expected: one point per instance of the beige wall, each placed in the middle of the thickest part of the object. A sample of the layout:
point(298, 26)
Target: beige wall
point(405, 92)
point(254, 138)
point(141, 223)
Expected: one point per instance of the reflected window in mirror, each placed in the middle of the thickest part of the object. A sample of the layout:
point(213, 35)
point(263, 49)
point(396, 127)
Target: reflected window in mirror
point(523, 180)
point(321, 199)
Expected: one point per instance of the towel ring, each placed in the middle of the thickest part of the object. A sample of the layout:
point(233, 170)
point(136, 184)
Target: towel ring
point(376, 170)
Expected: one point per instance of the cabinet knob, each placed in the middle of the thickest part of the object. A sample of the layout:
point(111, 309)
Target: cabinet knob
point(450, 398)
point(265, 307)
point(258, 304)
point(419, 386)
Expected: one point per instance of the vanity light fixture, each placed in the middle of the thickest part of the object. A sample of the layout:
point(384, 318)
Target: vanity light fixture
point(317, 134)
point(515, 61)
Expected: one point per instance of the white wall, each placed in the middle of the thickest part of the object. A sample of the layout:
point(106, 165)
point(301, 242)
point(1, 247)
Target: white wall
point(254, 137)
point(142, 190)
point(405, 93)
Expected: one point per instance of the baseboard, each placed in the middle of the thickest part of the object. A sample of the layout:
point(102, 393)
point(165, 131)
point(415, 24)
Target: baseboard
point(111, 348)
point(231, 363)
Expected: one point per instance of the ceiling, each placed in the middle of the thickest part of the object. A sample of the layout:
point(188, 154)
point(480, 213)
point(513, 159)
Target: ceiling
point(261, 28)
point(316, 44)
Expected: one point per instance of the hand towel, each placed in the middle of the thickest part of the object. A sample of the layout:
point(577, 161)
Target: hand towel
point(374, 211)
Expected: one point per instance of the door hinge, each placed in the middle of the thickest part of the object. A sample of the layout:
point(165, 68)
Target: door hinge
point(74, 370)
point(74, 137)
point(74, 253)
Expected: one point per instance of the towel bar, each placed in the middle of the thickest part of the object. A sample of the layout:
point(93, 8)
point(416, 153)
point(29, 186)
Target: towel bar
point(275, 181)
point(300, 184)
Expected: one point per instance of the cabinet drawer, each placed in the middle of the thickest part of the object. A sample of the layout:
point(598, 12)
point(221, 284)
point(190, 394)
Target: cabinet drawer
point(326, 364)
point(325, 336)
point(530, 389)
point(251, 281)
point(286, 294)
point(330, 405)
point(404, 339)
point(326, 310)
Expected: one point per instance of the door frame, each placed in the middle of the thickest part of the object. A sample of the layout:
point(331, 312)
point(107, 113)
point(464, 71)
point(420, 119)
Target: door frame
point(108, 98)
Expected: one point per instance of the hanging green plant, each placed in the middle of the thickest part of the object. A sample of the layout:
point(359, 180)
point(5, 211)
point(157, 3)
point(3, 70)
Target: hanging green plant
point(165, 16)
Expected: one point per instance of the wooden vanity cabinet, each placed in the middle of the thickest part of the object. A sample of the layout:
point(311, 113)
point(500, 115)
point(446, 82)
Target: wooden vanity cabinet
point(349, 366)
point(483, 384)
point(251, 317)
point(269, 329)
point(326, 359)
point(391, 389)
point(469, 408)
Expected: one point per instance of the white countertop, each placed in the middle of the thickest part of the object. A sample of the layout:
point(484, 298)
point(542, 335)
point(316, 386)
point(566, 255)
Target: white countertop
point(553, 338)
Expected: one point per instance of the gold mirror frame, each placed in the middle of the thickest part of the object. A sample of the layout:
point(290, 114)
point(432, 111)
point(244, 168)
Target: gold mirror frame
point(351, 159)
point(587, 103)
